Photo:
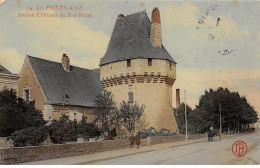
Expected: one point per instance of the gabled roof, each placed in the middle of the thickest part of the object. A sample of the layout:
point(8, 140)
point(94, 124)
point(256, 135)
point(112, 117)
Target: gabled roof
point(80, 85)
point(131, 39)
point(4, 70)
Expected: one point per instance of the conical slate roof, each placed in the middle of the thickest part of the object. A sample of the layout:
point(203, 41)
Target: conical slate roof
point(131, 40)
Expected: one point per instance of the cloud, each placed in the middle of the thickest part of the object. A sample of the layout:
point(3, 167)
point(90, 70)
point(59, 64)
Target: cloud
point(186, 16)
point(196, 81)
point(11, 60)
point(54, 36)
point(200, 66)
point(183, 15)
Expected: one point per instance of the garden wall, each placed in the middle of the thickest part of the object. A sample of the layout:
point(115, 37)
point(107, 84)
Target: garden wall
point(17, 155)
point(5, 143)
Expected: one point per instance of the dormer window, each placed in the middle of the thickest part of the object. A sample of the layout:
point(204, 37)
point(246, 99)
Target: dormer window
point(149, 61)
point(128, 63)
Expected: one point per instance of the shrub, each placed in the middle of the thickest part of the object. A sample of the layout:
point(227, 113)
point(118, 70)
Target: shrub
point(152, 132)
point(87, 130)
point(29, 136)
point(63, 130)
point(15, 114)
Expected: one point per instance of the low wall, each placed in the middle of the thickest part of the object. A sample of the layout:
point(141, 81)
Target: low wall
point(5, 143)
point(34, 153)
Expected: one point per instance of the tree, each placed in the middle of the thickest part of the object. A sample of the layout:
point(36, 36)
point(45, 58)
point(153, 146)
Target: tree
point(107, 115)
point(63, 130)
point(192, 118)
point(15, 114)
point(236, 111)
point(131, 117)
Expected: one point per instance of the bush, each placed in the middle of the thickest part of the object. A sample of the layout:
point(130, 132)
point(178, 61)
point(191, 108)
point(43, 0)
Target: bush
point(29, 136)
point(67, 130)
point(15, 114)
point(87, 130)
point(63, 130)
point(152, 132)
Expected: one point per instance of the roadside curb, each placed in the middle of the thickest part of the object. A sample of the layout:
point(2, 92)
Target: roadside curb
point(113, 154)
point(193, 141)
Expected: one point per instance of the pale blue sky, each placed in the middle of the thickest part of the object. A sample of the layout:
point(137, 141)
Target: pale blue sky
point(199, 67)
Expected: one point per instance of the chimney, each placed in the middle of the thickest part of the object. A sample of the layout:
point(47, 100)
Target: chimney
point(156, 32)
point(177, 98)
point(120, 16)
point(65, 62)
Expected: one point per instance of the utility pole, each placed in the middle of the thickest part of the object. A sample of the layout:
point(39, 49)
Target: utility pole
point(220, 127)
point(186, 123)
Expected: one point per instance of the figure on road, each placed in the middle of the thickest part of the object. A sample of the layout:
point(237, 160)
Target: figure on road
point(137, 140)
point(212, 132)
point(132, 140)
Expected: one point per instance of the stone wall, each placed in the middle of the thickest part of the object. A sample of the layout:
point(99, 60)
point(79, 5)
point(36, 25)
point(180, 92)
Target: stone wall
point(28, 80)
point(148, 88)
point(5, 143)
point(35, 153)
point(9, 80)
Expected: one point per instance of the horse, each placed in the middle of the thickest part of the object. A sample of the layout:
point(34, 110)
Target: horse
point(212, 133)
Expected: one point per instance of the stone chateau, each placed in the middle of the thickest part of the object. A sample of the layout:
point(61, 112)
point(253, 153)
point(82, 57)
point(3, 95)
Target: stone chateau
point(136, 68)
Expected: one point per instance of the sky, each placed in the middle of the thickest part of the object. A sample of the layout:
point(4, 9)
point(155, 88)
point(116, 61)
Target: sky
point(208, 55)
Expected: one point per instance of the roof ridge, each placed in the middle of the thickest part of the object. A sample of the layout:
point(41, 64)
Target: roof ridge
point(144, 11)
point(58, 62)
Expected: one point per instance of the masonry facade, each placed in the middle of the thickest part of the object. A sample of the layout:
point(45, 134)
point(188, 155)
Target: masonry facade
point(7, 79)
point(59, 88)
point(137, 68)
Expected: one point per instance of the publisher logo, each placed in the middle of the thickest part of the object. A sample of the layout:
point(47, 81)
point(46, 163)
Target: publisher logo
point(239, 148)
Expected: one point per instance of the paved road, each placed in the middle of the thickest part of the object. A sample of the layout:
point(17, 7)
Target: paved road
point(217, 152)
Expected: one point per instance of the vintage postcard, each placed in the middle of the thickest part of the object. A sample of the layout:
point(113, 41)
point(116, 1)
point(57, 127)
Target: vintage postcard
point(121, 82)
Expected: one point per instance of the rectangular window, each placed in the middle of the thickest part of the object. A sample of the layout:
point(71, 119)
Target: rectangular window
point(130, 88)
point(128, 63)
point(130, 97)
point(130, 93)
point(75, 116)
point(149, 61)
point(27, 95)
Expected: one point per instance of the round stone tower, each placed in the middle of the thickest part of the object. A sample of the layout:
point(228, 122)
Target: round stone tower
point(137, 68)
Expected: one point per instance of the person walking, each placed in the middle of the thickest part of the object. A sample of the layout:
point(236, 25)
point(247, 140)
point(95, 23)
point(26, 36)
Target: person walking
point(137, 140)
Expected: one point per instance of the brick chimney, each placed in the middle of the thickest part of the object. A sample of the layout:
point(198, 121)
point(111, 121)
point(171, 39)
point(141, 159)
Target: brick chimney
point(65, 62)
point(156, 32)
point(120, 16)
point(177, 98)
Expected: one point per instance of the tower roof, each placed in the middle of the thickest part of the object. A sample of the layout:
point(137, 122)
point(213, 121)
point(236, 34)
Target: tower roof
point(131, 40)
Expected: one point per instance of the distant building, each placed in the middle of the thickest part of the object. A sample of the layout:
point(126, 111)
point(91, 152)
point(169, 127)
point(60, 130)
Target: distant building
point(59, 88)
point(7, 79)
point(137, 68)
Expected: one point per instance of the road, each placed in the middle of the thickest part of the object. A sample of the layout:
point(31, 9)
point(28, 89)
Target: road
point(205, 153)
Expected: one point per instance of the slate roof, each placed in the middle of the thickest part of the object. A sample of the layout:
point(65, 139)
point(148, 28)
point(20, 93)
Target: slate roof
point(81, 85)
point(4, 70)
point(131, 39)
